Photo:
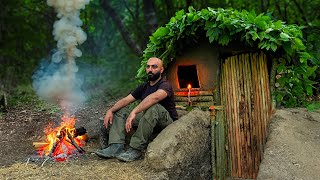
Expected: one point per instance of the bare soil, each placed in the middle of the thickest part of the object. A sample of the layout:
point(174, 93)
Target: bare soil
point(22, 125)
point(292, 150)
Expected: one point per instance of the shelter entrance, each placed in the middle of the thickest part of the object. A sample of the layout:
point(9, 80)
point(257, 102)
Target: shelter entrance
point(245, 95)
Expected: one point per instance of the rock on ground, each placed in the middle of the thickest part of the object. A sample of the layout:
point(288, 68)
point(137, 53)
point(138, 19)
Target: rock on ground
point(182, 149)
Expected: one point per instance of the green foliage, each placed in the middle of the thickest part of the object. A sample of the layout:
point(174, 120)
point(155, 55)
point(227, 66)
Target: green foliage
point(23, 39)
point(224, 25)
point(313, 106)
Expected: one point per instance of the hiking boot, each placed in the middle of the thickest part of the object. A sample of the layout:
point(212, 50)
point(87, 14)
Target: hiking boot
point(130, 155)
point(112, 151)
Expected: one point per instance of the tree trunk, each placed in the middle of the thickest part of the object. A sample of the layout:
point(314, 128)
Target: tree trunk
point(301, 12)
point(150, 15)
point(123, 30)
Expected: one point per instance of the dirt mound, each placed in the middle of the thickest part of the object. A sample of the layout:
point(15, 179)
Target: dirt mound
point(292, 149)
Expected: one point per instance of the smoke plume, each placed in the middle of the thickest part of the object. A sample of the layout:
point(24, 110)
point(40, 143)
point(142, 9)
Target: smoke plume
point(57, 81)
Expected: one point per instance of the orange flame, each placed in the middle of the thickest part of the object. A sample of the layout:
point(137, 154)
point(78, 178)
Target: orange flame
point(189, 86)
point(59, 144)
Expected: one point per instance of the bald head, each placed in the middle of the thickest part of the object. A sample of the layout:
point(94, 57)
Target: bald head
point(154, 68)
point(155, 60)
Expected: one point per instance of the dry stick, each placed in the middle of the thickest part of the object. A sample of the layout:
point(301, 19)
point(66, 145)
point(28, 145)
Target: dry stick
point(258, 109)
point(247, 107)
point(256, 129)
point(28, 161)
point(234, 154)
point(262, 66)
point(238, 93)
point(227, 111)
point(244, 113)
point(249, 98)
point(239, 136)
point(262, 109)
point(261, 113)
point(253, 119)
point(269, 105)
point(250, 119)
point(234, 113)
point(47, 158)
point(235, 120)
point(74, 143)
point(268, 98)
point(225, 135)
point(243, 116)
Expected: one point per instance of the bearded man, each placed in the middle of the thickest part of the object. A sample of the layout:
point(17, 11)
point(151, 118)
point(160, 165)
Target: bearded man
point(156, 110)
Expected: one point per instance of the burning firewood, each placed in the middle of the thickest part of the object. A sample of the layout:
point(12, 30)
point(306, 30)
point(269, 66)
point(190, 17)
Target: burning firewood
point(62, 142)
point(39, 145)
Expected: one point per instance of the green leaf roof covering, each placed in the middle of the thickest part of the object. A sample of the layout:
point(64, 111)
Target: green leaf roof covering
point(223, 26)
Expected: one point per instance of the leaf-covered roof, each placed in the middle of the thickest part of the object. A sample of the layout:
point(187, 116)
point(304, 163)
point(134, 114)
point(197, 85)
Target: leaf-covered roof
point(223, 26)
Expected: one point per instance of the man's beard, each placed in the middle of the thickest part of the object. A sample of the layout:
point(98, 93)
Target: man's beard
point(153, 77)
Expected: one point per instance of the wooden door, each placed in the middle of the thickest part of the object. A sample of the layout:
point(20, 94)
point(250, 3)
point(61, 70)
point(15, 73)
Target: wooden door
point(245, 93)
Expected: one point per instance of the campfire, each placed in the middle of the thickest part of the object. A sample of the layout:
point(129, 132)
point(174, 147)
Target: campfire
point(63, 141)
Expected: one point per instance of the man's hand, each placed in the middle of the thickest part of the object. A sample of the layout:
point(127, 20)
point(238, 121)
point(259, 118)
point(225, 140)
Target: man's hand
point(108, 118)
point(129, 122)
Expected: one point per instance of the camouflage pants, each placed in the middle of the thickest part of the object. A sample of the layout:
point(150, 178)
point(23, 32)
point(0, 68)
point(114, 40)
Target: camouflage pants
point(154, 117)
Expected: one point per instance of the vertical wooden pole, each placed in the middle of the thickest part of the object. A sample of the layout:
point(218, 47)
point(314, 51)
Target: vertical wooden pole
point(213, 144)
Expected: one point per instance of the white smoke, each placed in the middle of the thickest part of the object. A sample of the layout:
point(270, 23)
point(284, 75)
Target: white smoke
point(57, 82)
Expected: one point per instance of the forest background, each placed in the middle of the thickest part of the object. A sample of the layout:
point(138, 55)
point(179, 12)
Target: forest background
point(117, 33)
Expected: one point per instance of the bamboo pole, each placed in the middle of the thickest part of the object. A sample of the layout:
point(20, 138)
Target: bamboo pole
point(256, 121)
point(273, 72)
point(240, 122)
point(264, 108)
point(213, 144)
point(242, 116)
point(258, 110)
point(221, 161)
point(253, 119)
point(228, 117)
point(235, 115)
point(225, 145)
point(231, 119)
point(248, 113)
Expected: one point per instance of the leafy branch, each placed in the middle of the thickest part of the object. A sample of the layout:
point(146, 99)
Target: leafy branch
point(224, 25)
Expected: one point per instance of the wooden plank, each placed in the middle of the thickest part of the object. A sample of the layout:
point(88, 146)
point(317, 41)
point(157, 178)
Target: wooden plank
point(196, 104)
point(193, 93)
point(194, 99)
